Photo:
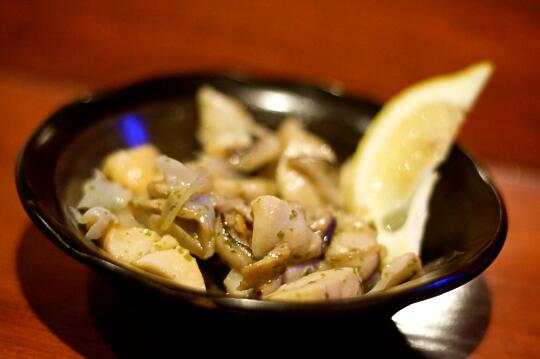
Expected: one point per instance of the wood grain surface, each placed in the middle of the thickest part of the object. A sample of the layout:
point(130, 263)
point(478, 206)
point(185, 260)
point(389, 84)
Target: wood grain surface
point(51, 52)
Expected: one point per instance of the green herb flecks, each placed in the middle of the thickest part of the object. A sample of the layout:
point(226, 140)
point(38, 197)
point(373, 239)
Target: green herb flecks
point(293, 215)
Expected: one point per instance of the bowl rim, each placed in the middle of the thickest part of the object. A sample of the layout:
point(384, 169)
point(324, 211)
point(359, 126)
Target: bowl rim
point(389, 301)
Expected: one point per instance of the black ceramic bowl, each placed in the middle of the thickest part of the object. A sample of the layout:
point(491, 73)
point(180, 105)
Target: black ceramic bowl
point(465, 231)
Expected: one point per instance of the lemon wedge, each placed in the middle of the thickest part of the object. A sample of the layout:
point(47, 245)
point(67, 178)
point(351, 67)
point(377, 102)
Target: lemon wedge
point(397, 157)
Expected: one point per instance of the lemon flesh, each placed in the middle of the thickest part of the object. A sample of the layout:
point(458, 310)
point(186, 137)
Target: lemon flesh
point(403, 146)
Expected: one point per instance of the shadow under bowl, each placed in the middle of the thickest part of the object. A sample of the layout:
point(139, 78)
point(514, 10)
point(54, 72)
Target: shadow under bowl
point(465, 231)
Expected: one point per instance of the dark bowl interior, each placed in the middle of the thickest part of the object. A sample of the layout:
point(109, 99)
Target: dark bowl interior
point(465, 231)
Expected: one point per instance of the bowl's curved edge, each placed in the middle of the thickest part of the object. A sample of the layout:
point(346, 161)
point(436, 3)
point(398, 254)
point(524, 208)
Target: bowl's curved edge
point(391, 301)
point(55, 235)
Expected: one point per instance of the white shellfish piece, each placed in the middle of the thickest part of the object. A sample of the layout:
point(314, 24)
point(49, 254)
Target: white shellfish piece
point(322, 285)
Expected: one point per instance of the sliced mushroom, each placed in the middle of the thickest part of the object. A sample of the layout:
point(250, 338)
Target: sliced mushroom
point(281, 237)
point(266, 269)
point(299, 146)
point(398, 271)
point(197, 218)
point(193, 227)
point(226, 204)
point(238, 227)
point(152, 221)
point(202, 249)
point(357, 249)
point(186, 216)
point(322, 285)
point(232, 283)
point(265, 150)
point(234, 253)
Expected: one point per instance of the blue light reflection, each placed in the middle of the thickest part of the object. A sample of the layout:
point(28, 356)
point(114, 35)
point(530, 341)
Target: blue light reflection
point(133, 129)
point(441, 282)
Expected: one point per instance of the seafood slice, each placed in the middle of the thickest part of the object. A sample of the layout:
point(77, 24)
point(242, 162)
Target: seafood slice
point(276, 221)
point(398, 271)
point(323, 285)
point(132, 168)
point(129, 244)
point(227, 130)
point(174, 264)
point(100, 192)
point(97, 221)
point(281, 236)
point(226, 126)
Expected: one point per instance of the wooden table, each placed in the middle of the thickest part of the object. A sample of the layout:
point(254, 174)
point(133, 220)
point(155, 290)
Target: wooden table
point(52, 306)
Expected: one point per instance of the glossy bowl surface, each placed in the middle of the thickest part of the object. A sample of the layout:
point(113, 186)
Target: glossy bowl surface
point(465, 231)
